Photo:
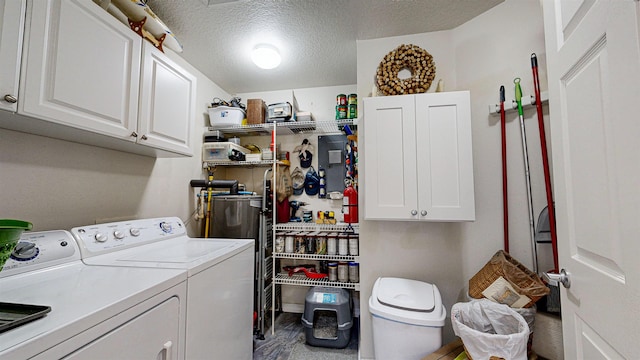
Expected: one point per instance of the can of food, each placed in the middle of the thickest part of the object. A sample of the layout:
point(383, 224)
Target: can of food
point(352, 99)
point(333, 271)
point(354, 272)
point(343, 244)
point(341, 99)
point(353, 245)
point(288, 243)
point(341, 112)
point(353, 111)
point(343, 272)
point(332, 246)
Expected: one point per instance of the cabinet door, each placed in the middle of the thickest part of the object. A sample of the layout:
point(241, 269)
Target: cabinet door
point(167, 103)
point(152, 335)
point(389, 158)
point(11, 32)
point(82, 68)
point(444, 161)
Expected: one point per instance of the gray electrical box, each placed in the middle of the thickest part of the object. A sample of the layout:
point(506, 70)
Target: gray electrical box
point(331, 153)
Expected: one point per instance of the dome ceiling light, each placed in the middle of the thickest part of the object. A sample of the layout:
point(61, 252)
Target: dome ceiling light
point(266, 56)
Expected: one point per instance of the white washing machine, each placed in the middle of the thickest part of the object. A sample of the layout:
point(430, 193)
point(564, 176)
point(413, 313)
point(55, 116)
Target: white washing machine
point(95, 312)
point(219, 321)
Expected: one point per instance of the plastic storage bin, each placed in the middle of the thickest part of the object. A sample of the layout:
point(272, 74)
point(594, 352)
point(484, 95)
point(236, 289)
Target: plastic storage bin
point(327, 318)
point(408, 317)
point(225, 116)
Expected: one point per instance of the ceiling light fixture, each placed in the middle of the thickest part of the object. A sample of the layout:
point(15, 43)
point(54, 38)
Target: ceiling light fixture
point(266, 56)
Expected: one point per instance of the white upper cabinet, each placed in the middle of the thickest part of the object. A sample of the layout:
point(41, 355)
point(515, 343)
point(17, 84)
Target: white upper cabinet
point(88, 78)
point(81, 69)
point(417, 157)
point(11, 32)
point(167, 99)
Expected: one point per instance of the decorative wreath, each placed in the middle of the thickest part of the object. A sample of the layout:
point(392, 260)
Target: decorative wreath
point(413, 58)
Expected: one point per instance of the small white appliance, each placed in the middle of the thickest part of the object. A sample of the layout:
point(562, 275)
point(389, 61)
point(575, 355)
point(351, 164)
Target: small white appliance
point(408, 317)
point(96, 312)
point(219, 321)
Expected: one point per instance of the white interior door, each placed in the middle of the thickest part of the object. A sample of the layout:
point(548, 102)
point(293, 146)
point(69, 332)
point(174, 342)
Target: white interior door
point(594, 75)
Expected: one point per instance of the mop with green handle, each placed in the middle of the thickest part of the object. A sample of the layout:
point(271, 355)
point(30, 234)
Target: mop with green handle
point(534, 251)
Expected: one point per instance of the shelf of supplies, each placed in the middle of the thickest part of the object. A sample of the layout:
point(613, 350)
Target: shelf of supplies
point(301, 279)
point(301, 226)
point(355, 258)
point(288, 128)
point(206, 164)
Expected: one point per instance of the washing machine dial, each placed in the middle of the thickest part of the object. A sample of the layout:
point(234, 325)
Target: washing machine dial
point(25, 251)
point(100, 237)
point(134, 232)
point(166, 227)
point(118, 234)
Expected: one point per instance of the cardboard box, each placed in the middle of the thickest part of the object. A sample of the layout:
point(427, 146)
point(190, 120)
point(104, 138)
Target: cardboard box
point(256, 111)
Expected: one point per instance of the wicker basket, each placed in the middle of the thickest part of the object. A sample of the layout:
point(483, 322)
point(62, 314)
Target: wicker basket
point(522, 279)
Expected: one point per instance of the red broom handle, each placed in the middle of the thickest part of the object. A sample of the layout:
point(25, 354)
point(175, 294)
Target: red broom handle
point(505, 205)
point(545, 162)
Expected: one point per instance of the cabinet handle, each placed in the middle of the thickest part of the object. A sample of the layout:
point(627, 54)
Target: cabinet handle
point(423, 213)
point(134, 134)
point(414, 212)
point(144, 137)
point(166, 348)
point(10, 99)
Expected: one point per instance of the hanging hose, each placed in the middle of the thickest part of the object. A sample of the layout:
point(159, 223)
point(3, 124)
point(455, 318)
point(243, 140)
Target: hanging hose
point(505, 205)
point(209, 195)
point(545, 163)
point(534, 251)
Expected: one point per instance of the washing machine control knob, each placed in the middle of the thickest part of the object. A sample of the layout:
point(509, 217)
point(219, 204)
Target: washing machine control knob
point(118, 234)
point(165, 226)
point(134, 232)
point(25, 251)
point(100, 237)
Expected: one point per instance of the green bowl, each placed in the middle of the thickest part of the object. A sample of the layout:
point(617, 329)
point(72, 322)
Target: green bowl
point(10, 231)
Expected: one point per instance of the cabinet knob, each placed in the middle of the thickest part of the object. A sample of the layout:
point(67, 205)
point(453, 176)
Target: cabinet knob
point(134, 134)
point(423, 213)
point(144, 137)
point(10, 99)
point(414, 212)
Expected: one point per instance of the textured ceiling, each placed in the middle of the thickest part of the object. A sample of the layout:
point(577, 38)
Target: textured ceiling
point(316, 38)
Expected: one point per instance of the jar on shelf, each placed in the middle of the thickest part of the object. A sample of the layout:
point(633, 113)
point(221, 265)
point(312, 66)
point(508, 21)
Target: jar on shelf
point(343, 272)
point(280, 240)
point(310, 242)
point(299, 246)
point(353, 245)
point(343, 244)
point(354, 272)
point(288, 242)
point(321, 243)
point(332, 243)
point(333, 271)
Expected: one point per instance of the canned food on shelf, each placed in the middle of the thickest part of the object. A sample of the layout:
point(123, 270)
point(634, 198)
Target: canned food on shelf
point(341, 99)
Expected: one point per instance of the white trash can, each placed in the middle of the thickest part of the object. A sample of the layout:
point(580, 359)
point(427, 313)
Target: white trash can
point(408, 317)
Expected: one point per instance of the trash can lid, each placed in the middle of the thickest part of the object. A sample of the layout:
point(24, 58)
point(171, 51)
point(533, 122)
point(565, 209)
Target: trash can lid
point(406, 294)
point(409, 301)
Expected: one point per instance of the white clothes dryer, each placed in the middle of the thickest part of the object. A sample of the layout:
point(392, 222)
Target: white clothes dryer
point(219, 319)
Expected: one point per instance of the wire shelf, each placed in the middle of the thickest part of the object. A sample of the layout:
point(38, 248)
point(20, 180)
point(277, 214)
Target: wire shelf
point(298, 279)
point(206, 164)
point(317, 257)
point(339, 227)
point(288, 128)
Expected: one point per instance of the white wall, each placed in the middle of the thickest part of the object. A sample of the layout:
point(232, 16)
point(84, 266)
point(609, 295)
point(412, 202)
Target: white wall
point(58, 184)
point(479, 56)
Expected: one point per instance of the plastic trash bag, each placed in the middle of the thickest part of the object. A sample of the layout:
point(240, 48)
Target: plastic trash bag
point(490, 329)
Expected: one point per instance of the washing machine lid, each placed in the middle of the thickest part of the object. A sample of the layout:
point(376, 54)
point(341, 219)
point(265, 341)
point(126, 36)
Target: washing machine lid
point(406, 294)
